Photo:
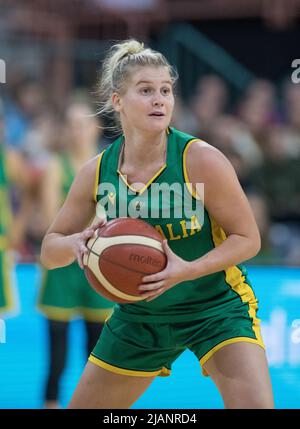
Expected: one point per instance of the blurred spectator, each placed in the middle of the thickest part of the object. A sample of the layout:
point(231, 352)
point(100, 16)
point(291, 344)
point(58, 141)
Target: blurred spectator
point(12, 171)
point(291, 116)
point(233, 138)
point(209, 101)
point(29, 101)
point(291, 100)
point(264, 149)
point(278, 179)
point(38, 144)
point(258, 109)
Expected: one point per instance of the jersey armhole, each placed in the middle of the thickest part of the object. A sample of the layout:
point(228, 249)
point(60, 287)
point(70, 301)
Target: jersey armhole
point(97, 176)
point(185, 174)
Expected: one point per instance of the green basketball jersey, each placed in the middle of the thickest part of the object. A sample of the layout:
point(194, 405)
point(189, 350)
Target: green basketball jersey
point(5, 214)
point(167, 203)
point(7, 294)
point(68, 174)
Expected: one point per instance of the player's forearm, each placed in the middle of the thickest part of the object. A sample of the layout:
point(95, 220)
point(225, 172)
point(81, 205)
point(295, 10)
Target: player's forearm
point(58, 250)
point(234, 250)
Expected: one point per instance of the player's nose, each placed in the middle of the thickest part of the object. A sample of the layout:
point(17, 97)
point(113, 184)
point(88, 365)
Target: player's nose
point(158, 100)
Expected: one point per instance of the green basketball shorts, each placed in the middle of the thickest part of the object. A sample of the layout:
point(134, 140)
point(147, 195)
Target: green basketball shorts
point(149, 349)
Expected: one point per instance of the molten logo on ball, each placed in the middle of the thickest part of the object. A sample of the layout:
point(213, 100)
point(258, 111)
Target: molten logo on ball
point(144, 260)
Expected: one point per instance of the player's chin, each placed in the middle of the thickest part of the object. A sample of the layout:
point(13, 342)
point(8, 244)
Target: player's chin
point(158, 125)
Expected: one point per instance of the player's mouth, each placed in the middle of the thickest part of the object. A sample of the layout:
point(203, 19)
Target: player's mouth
point(157, 114)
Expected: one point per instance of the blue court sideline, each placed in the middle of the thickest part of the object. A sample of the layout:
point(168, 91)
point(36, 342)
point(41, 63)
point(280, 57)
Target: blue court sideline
point(23, 356)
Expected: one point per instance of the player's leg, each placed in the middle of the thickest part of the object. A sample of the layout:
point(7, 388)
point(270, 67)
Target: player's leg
point(124, 362)
point(57, 359)
point(93, 331)
point(240, 372)
point(99, 388)
point(8, 298)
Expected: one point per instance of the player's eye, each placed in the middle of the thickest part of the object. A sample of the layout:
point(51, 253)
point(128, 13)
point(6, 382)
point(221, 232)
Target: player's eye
point(166, 91)
point(145, 91)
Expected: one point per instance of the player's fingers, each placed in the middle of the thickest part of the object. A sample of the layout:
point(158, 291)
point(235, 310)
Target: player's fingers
point(98, 224)
point(154, 277)
point(79, 259)
point(151, 286)
point(87, 233)
point(82, 250)
point(156, 295)
point(91, 230)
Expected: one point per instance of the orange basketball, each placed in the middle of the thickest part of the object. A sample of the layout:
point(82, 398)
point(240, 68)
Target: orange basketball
point(122, 253)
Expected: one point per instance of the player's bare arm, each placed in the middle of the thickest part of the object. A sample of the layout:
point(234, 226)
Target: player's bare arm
point(65, 239)
point(227, 204)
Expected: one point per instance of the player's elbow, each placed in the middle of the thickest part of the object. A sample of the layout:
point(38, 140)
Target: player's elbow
point(45, 256)
point(45, 262)
point(255, 245)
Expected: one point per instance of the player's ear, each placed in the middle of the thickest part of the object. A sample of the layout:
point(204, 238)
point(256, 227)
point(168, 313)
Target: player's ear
point(116, 101)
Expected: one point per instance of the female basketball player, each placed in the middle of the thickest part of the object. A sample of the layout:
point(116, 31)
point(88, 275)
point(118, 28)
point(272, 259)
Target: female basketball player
point(202, 300)
point(13, 171)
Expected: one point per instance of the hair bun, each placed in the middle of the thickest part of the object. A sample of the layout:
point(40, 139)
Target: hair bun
point(131, 47)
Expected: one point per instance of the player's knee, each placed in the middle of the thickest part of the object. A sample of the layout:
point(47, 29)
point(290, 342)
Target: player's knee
point(252, 401)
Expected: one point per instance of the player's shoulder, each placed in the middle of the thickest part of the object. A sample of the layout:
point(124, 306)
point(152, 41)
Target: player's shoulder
point(203, 152)
point(206, 159)
point(194, 144)
point(87, 172)
point(92, 164)
point(196, 150)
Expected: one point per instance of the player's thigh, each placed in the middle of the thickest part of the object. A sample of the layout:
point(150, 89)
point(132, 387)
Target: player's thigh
point(240, 372)
point(100, 388)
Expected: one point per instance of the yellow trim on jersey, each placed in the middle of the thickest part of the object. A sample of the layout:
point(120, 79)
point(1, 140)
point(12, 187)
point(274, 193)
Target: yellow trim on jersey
point(107, 319)
point(6, 266)
point(6, 215)
point(66, 314)
point(148, 183)
point(3, 242)
point(165, 372)
point(91, 314)
point(96, 184)
point(117, 370)
point(219, 346)
point(56, 313)
point(5, 211)
point(236, 281)
point(185, 174)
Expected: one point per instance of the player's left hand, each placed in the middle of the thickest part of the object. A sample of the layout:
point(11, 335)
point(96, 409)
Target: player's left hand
point(176, 271)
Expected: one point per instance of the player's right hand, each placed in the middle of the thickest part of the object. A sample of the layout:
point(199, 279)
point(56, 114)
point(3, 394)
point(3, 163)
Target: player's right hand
point(83, 238)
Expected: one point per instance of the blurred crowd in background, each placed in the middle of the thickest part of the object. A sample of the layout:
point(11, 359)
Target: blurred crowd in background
point(219, 48)
point(259, 132)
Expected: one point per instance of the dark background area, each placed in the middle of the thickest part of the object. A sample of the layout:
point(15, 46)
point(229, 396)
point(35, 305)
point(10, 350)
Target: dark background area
point(267, 52)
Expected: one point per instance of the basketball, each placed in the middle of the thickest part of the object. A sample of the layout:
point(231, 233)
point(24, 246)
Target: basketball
point(123, 251)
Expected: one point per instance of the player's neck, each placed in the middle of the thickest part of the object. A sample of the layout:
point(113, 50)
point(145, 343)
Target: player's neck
point(142, 151)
